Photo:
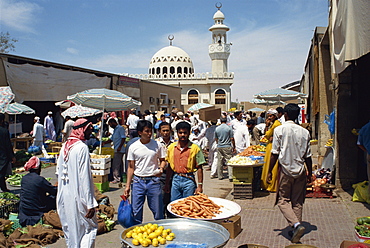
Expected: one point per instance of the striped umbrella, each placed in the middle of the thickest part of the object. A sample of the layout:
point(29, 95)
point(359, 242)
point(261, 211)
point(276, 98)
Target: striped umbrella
point(80, 111)
point(6, 96)
point(108, 100)
point(18, 108)
point(198, 106)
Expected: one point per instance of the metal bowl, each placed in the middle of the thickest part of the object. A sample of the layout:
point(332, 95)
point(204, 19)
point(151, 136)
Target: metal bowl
point(192, 231)
point(300, 246)
point(252, 246)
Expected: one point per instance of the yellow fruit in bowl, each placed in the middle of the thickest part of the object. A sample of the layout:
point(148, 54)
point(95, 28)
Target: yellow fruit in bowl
point(162, 241)
point(169, 238)
point(172, 235)
point(129, 234)
point(153, 235)
point(155, 242)
point(135, 242)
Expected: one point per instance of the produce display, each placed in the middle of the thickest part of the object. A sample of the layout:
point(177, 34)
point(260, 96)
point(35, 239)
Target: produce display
point(196, 206)
point(22, 157)
point(264, 140)
point(329, 142)
point(258, 148)
point(4, 202)
point(250, 152)
point(8, 195)
point(363, 227)
point(241, 160)
point(15, 180)
point(150, 234)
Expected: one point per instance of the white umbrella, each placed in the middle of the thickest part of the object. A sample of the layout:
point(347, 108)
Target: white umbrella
point(198, 106)
point(6, 96)
point(104, 99)
point(16, 109)
point(279, 94)
point(80, 111)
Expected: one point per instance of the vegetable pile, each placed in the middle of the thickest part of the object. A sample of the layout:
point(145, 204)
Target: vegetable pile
point(22, 157)
point(363, 227)
point(15, 180)
point(150, 234)
point(8, 195)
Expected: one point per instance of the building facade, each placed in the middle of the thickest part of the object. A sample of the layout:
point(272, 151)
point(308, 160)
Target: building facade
point(171, 65)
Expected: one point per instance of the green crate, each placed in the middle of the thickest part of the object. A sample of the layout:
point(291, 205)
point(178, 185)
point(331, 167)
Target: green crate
point(102, 187)
point(14, 218)
point(243, 172)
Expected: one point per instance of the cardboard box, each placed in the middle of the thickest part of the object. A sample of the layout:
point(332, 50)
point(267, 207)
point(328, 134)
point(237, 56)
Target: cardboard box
point(99, 178)
point(100, 172)
point(210, 113)
point(233, 225)
point(347, 243)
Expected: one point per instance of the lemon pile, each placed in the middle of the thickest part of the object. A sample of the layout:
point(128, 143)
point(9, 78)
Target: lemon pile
point(150, 234)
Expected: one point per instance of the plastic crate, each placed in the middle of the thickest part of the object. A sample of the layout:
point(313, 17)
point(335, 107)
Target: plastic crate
point(9, 208)
point(102, 187)
point(242, 172)
point(14, 218)
point(241, 188)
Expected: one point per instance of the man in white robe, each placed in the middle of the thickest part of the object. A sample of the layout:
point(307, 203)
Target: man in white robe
point(242, 139)
point(75, 199)
point(38, 133)
point(49, 126)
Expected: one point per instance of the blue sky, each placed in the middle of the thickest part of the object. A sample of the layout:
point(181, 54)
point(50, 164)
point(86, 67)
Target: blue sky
point(271, 38)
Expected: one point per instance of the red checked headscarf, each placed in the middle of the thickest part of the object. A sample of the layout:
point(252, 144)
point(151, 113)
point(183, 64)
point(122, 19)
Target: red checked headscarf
point(33, 163)
point(77, 134)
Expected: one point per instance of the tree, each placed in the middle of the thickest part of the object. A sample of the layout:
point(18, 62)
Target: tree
point(6, 43)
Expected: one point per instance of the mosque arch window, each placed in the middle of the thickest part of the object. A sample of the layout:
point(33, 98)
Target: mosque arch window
point(220, 97)
point(185, 70)
point(150, 71)
point(153, 70)
point(172, 70)
point(190, 70)
point(193, 97)
point(158, 70)
point(179, 70)
point(165, 71)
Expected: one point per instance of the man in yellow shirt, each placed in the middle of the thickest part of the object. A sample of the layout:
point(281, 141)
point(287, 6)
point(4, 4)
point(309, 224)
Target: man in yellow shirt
point(185, 158)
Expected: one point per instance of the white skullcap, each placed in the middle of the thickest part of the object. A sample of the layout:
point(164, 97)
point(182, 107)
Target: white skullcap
point(272, 111)
point(50, 113)
point(36, 118)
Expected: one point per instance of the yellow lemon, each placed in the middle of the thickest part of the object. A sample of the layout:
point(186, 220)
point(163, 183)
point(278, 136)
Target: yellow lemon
point(153, 235)
point(172, 235)
point(155, 242)
point(169, 238)
point(142, 229)
point(134, 235)
point(156, 225)
point(168, 230)
point(161, 228)
point(158, 232)
point(129, 234)
point(149, 241)
point(135, 242)
point(152, 228)
point(164, 235)
point(140, 235)
point(145, 243)
point(162, 241)
point(141, 240)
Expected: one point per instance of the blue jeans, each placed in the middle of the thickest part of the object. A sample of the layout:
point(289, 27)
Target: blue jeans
point(151, 188)
point(182, 187)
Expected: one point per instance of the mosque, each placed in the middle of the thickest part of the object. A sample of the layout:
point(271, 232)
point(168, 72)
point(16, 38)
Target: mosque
point(171, 65)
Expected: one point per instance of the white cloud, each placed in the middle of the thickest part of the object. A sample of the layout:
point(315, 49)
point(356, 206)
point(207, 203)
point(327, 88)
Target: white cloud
point(19, 15)
point(72, 50)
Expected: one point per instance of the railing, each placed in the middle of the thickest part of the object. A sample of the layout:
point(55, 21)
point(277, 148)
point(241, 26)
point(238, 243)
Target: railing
point(193, 76)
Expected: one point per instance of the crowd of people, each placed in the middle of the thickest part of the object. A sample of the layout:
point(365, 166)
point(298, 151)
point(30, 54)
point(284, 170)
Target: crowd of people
point(163, 160)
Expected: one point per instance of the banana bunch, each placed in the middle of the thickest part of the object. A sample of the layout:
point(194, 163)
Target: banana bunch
point(329, 142)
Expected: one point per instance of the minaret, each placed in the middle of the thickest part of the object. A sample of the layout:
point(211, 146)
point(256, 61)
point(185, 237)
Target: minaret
point(219, 50)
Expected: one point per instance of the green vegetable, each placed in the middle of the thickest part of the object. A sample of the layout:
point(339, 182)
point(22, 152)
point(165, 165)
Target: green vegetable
point(15, 179)
point(8, 195)
point(363, 230)
point(363, 220)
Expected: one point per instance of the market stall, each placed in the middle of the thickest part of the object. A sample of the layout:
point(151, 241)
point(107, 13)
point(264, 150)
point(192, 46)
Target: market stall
point(245, 171)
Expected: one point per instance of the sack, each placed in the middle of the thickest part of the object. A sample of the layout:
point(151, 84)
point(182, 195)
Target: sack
point(330, 121)
point(361, 193)
point(125, 215)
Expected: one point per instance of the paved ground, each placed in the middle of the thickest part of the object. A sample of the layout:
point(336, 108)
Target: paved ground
point(328, 221)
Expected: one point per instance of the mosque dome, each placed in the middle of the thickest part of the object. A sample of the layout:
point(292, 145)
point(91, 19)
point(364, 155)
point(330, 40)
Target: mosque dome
point(171, 60)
